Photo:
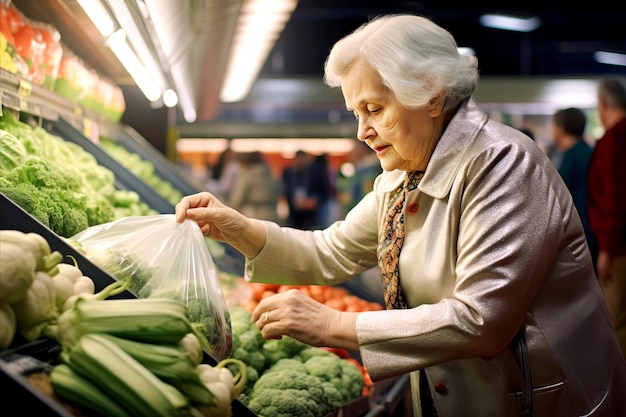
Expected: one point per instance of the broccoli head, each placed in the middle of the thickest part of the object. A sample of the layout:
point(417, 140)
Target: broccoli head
point(290, 379)
point(289, 392)
point(326, 368)
point(273, 402)
point(29, 198)
point(333, 396)
point(287, 363)
point(310, 351)
point(351, 379)
point(254, 358)
point(340, 373)
point(217, 331)
point(249, 341)
point(286, 347)
point(273, 352)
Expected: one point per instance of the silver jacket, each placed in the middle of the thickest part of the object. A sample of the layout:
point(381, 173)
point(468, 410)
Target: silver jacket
point(493, 244)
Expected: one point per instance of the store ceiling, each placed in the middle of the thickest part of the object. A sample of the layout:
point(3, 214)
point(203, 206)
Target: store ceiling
point(563, 46)
point(571, 31)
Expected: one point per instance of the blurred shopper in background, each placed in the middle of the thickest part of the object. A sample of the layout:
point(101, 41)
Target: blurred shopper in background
point(322, 189)
point(223, 174)
point(255, 191)
point(301, 202)
point(493, 307)
point(352, 188)
point(607, 199)
point(568, 130)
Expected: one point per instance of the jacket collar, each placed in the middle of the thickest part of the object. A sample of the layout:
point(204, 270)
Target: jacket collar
point(448, 153)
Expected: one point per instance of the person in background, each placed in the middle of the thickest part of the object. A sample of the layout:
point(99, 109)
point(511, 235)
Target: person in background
point(568, 129)
point(493, 307)
point(606, 185)
point(224, 173)
point(322, 189)
point(366, 168)
point(302, 204)
point(255, 191)
point(350, 190)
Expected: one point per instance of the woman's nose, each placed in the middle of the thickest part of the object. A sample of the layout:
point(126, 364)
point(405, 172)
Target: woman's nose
point(364, 130)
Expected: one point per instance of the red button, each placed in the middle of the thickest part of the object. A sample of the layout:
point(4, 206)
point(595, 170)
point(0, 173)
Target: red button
point(413, 207)
point(441, 389)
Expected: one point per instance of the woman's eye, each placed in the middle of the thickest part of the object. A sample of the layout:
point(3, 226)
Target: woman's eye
point(374, 111)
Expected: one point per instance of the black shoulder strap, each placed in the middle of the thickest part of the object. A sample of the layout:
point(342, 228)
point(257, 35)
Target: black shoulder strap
point(521, 351)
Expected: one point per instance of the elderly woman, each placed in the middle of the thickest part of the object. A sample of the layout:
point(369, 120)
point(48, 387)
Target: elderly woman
point(492, 302)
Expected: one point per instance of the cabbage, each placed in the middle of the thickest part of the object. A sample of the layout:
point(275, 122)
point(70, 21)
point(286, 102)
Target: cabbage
point(12, 151)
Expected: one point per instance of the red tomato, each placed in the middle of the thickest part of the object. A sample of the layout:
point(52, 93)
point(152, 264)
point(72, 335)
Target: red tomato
point(5, 28)
point(25, 42)
point(342, 353)
point(14, 18)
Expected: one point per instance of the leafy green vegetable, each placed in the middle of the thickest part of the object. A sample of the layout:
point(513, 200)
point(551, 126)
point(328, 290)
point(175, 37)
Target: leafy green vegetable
point(143, 169)
point(12, 151)
point(69, 191)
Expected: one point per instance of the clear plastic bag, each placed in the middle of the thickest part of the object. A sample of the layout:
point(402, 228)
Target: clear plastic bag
point(163, 258)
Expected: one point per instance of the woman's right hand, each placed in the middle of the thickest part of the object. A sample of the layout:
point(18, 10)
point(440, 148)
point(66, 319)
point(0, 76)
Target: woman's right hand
point(220, 222)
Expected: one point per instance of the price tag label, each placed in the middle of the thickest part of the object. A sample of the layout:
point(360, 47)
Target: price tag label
point(24, 89)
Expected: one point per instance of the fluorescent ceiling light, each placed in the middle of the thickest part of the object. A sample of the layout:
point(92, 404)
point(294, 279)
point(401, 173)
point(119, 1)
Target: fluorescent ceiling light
point(506, 22)
point(170, 99)
point(258, 27)
point(99, 16)
point(138, 60)
point(195, 145)
point(184, 96)
point(141, 76)
point(568, 93)
point(137, 41)
point(611, 58)
point(284, 146)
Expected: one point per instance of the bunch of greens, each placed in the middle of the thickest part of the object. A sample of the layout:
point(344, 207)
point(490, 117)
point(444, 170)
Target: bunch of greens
point(58, 182)
point(141, 168)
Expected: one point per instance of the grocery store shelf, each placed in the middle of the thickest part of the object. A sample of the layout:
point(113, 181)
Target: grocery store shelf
point(13, 217)
point(163, 168)
point(21, 95)
point(388, 402)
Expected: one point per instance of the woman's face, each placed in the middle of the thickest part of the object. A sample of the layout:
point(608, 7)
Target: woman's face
point(402, 138)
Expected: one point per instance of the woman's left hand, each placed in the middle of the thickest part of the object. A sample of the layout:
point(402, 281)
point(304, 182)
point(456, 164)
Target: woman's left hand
point(294, 314)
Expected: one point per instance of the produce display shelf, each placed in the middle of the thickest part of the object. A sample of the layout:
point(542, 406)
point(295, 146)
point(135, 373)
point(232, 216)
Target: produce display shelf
point(19, 94)
point(130, 139)
point(13, 217)
point(15, 387)
point(19, 358)
point(392, 398)
point(123, 177)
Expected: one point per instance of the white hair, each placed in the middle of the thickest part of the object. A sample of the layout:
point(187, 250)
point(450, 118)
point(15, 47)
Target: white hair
point(415, 58)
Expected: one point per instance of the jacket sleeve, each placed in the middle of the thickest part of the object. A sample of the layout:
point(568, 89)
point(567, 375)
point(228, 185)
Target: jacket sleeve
point(320, 257)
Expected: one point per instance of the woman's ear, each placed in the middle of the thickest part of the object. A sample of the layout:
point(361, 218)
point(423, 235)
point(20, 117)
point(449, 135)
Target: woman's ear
point(435, 105)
